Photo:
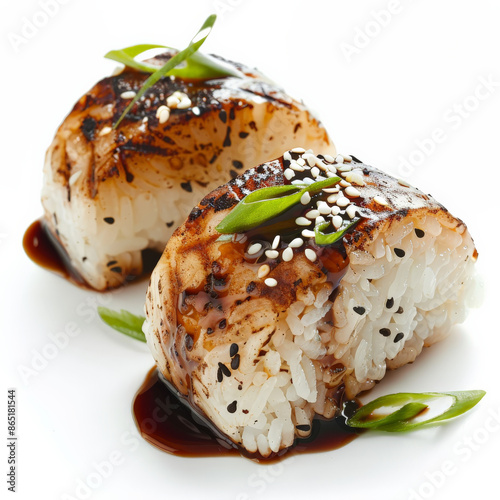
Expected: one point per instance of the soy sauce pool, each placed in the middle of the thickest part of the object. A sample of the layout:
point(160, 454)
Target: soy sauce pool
point(164, 420)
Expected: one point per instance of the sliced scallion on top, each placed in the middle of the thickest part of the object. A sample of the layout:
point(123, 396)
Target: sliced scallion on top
point(124, 322)
point(267, 203)
point(196, 65)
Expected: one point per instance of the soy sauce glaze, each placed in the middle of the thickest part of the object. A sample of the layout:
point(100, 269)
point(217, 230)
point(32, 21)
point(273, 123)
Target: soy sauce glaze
point(166, 421)
point(44, 250)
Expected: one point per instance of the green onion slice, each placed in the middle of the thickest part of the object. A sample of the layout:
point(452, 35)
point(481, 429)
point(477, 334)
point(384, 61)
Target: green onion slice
point(196, 42)
point(411, 405)
point(124, 322)
point(322, 238)
point(266, 203)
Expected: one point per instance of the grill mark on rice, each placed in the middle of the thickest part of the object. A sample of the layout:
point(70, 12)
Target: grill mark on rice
point(385, 332)
point(390, 303)
point(195, 213)
point(359, 310)
point(231, 408)
point(398, 337)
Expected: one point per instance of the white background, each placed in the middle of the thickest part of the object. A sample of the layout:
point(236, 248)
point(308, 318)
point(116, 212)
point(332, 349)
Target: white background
point(419, 74)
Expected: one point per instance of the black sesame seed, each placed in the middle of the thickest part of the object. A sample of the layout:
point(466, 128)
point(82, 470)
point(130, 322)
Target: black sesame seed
point(112, 263)
point(84, 259)
point(251, 287)
point(231, 114)
point(220, 376)
point(222, 324)
point(233, 349)
point(243, 135)
point(385, 332)
point(189, 342)
point(400, 310)
point(210, 331)
point(244, 411)
point(398, 337)
point(231, 408)
point(169, 224)
point(360, 310)
point(390, 303)
point(187, 186)
point(225, 370)
point(303, 427)
point(227, 140)
point(237, 164)
point(419, 233)
point(240, 387)
point(233, 174)
point(235, 362)
point(109, 220)
point(399, 252)
point(116, 269)
point(223, 115)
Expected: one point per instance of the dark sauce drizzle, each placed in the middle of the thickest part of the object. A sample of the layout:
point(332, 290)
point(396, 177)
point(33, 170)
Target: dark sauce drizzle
point(45, 250)
point(165, 420)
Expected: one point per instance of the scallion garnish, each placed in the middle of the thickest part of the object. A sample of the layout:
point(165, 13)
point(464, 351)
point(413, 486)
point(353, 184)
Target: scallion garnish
point(322, 238)
point(197, 66)
point(411, 405)
point(124, 322)
point(266, 203)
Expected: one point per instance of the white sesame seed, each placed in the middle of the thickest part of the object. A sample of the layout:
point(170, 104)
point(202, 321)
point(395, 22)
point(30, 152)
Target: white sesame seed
point(254, 248)
point(337, 221)
point(310, 254)
point(272, 254)
point(331, 174)
point(321, 164)
point(295, 166)
point(352, 191)
point(263, 271)
point(296, 243)
point(310, 158)
point(403, 183)
point(339, 159)
point(287, 156)
point(173, 100)
point(332, 168)
point(74, 177)
point(301, 162)
point(289, 174)
point(184, 103)
point(344, 168)
point(320, 178)
point(319, 220)
point(105, 131)
point(331, 190)
point(336, 210)
point(298, 181)
point(380, 200)
point(343, 201)
point(308, 180)
point(344, 183)
point(196, 111)
point(315, 171)
point(129, 94)
point(307, 233)
point(270, 282)
point(305, 198)
point(333, 198)
point(324, 208)
point(308, 151)
point(298, 150)
point(355, 178)
point(351, 211)
point(302, 221)
point(287, 254)
point(163, 114)
point(276, 242)
point(347, 157)
point(329, 158)
point(312, 214)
